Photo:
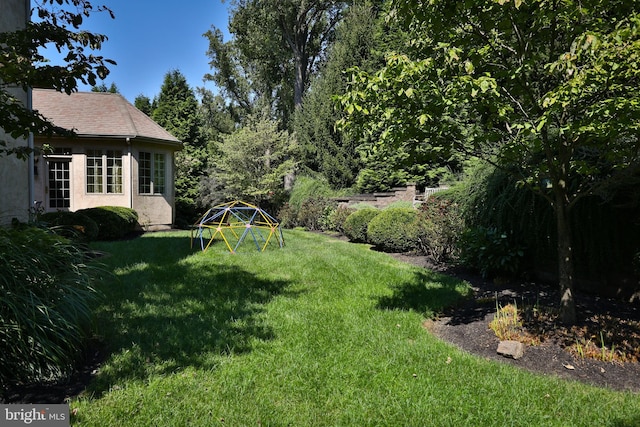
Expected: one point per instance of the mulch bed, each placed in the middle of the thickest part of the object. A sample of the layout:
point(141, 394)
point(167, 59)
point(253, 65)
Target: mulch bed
point(570, 353)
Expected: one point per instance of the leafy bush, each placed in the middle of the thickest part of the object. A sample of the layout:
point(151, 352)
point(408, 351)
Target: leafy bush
point(114, 222)
point(44, 310)
point(310, 205)
point(338, 217)
point(71, 224)
point(355, 226)
point(490, 251)
point(314, 213)
point(288, 216)
point(406, 204)
point(395, 230)
point(493, 198)
point(441, 226)
point(187, 213)
point(306, 188)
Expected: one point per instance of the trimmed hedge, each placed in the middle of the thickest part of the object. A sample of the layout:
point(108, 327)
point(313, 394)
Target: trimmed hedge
point(74, 225)
point(114, 222)
point(355, 226)
point(395, 230)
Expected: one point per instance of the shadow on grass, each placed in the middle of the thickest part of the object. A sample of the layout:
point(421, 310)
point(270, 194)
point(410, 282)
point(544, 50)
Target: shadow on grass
point(631, 422)
point(428, 293)
point(162, 314)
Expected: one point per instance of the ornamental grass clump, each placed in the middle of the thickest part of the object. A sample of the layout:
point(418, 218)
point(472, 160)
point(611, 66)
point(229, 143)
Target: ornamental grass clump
point(44, 310)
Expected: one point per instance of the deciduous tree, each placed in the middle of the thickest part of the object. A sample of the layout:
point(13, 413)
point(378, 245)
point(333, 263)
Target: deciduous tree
point(546, 89)
point(276, 46)
point(56, 24)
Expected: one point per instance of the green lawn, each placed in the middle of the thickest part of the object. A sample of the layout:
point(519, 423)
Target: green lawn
point(319, 333)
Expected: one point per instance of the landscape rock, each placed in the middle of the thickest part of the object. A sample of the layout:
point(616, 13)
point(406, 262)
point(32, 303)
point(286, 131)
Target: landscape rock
point(513, 349)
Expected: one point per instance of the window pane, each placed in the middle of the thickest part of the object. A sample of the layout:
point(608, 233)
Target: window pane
point(144, 173)
point(114, 171)
point(94, 171)
point(158, 174)
point(59, 184)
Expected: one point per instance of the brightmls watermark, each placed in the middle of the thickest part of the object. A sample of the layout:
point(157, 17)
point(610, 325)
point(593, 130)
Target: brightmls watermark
point(33, 414)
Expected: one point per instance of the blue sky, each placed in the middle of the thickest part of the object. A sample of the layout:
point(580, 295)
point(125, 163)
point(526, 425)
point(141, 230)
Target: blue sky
point(148, 38)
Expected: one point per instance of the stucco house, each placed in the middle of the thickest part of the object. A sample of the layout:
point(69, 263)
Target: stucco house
point(120, 157)
point(16, 186)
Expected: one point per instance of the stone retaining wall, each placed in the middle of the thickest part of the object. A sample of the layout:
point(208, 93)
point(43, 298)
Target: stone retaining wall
point(383, 199)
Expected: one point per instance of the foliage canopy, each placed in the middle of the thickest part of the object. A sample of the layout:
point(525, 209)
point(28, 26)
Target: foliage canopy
point(55, 24)
point(547, 90)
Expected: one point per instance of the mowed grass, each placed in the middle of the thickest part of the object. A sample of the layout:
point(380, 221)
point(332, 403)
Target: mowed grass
point(319, 333)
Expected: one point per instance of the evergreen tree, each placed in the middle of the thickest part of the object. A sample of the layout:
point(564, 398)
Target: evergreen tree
point(176, 109)
point(104, 88)
point(143, 103)
point(253, 162)
point(323, 149)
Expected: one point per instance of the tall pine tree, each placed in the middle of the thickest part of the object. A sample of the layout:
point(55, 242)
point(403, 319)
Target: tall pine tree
point(176, 109)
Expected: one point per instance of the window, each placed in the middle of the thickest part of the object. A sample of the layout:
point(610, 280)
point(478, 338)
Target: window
point(94, 171)
point(114, 171)
point(144, 173)
point(158, 173)
point(98, 174)
point(151, 173)
point(59, 184)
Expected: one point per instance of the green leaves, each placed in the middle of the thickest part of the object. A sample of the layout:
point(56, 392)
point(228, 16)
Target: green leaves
point(45, 306)
point(23, 65)
point(254, 160)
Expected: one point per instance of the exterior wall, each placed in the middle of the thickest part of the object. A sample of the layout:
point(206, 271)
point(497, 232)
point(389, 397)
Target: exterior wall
point(14, 173)
point(155, 211)
point(79, 197)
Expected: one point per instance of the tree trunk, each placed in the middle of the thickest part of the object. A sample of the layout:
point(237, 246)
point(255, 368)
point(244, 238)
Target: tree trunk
point(298, 86)
point(565, 260)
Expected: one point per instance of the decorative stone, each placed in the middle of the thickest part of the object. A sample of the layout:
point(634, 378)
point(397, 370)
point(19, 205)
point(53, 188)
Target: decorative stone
point(513, 349)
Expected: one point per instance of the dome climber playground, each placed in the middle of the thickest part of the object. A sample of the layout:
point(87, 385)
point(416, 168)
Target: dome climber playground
point(234, 222)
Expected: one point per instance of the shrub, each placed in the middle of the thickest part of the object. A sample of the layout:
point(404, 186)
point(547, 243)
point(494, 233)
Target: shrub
point(114, 222)
point(490, 251)
point(306, 188)
point(400, 204)
point(355, 226)
point(309, 205)
point(441, 226)
point(314, 212)
point(288, 216)
point(338, 217)
point(71, 224)
point(395, 230)
point(187, 213)
point(44, 310)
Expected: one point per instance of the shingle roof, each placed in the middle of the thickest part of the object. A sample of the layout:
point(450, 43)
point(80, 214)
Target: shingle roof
point(98, 114)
